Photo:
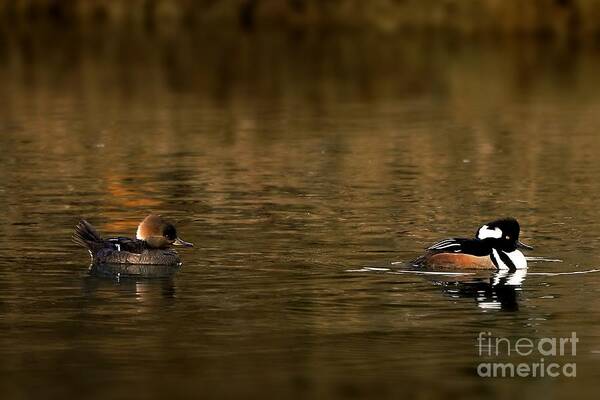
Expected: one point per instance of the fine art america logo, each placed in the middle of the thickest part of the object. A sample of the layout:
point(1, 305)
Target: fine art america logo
point(550, 354)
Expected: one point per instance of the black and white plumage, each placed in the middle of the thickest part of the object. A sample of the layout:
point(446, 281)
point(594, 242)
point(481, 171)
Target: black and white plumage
point(475, 247)
point(495, 246)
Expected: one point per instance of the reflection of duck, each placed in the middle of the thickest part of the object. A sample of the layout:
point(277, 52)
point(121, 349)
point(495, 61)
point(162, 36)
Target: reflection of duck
point(150, 247)
point(147, 291)
point(494, 247)
point(496, 291)
point(134, 270)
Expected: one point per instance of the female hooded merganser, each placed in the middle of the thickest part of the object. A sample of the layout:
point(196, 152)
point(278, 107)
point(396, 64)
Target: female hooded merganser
point(151, 245)
point(495, 247)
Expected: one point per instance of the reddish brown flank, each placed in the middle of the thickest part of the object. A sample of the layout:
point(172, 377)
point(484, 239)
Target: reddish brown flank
point(450, 260)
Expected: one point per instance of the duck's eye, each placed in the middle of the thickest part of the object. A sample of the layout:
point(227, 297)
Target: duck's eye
point(170, 233)
point(507, 237)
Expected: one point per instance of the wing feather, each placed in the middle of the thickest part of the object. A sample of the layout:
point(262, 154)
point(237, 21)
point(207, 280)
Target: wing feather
point(447, 244)
point(474, 247)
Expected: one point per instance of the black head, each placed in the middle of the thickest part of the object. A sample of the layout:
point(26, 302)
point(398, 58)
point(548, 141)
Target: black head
point(502, 234)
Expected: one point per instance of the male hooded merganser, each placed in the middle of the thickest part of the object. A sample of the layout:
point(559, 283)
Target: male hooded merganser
point(495, 247)
point(151, 245)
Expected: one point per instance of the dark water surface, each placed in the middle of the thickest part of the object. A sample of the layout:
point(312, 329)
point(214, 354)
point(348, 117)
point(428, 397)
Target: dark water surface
point(292, 164)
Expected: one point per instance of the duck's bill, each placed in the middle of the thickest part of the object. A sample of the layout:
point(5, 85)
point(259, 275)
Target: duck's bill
point(179, 242)
point(522, 245)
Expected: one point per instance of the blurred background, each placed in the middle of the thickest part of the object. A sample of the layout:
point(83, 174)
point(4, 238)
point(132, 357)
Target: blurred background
point(563, 18)
point(295, 142)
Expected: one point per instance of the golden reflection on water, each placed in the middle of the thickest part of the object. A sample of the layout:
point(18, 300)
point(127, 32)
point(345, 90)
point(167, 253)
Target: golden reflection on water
point(289, 160)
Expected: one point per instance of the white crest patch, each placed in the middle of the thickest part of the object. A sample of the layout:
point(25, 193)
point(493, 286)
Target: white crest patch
point(138, 233)
point(485, 232)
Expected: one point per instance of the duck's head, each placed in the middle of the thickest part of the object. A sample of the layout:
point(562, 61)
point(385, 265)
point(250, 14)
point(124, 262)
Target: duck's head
point(159, 233)
point(503, 234)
